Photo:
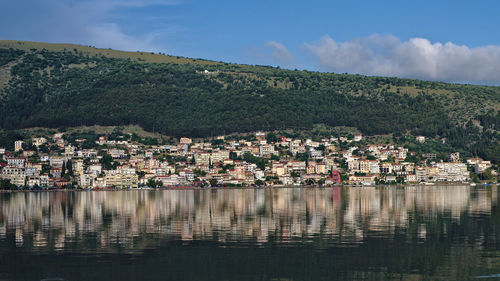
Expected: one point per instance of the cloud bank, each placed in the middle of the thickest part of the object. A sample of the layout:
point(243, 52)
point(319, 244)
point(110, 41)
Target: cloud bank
point(279, 52)
point(386, 55)
point(270, 53)
point(99, 23)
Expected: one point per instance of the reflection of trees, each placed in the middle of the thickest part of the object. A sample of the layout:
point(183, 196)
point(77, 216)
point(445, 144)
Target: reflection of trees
point(134, 219)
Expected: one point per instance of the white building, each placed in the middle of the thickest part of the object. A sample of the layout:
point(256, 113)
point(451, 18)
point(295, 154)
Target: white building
point(315, 154)
point(87, 180)
point(18, 145)
point(420, 139)
point(455, 172)
point(482, 166)
point(38, 141)
point(266, 150)
point(16, 162)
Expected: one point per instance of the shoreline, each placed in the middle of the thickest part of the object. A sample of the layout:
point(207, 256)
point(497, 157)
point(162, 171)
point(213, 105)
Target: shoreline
point(251, 187)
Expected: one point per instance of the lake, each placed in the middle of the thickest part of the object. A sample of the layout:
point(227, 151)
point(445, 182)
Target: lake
point(350, 233)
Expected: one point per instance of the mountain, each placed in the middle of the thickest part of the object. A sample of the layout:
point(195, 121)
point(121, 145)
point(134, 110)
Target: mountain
point(56, 85)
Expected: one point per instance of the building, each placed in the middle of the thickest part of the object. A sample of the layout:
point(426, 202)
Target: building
point(474, 161)
point(95, 169)
point(420, 174)
point(411, 178)
point(336, 177)
point(482, 166)
point(362, 180)
point(260, 136)
point(311, 167)
point(69, 151)
point(28, 153)
point(219, 156)
point(16, 162)
point(171, 180)
point(455, 157)
point(286, 180)
point(99, 182)
point(479, 165)
point(297, 147)
point(266, 150)
point(60, 183)
point(44, 158)
point(296, 166)
point(39, 141)
point(429, 156)
point(57, 161)
point(374, 167)
point(366, 166)
point(86, 180)
point(202, 158)
point(307, 178)
point(185, 141)
point(32, 171)
point(315, 154)
point(320, 168)
point(122, 180)
point(386, 168)
point(454, 172)
point(87, 153)
point(389, 179)
point(16, 175)
point(56, 172)
point(117, 153)
point(18, 145)
point(44, 181)
point(187, 174)
point(420, 139)
point(32, 181)
point(279, 169)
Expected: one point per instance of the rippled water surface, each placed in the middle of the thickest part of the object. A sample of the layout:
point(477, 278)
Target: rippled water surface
point(403, 233)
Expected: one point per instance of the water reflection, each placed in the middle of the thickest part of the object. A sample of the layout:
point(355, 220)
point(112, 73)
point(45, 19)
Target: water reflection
point(138, 220)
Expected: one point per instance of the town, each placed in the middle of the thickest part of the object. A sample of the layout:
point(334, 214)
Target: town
point(123, 160)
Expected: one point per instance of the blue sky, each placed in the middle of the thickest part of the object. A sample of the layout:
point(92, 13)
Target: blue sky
point(455, 41)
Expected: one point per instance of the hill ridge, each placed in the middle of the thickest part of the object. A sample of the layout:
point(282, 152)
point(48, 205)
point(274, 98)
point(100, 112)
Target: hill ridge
point(181, 96)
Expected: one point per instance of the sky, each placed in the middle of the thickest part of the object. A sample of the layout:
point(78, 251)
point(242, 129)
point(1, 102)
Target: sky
point(452, 41)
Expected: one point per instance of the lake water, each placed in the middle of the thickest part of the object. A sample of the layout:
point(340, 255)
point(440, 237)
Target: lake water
point(351, 233)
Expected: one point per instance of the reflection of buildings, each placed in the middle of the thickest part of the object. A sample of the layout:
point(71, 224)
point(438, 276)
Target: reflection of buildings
point(233, 215)
point(385, 209)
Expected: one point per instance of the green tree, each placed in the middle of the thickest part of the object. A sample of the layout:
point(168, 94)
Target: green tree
point(213, 182)
point(6, 185)
point(106, 160)
point(69, 168)
point(310, 182)
point(154, 184)
point(63, 171)
point(140, 174)
point(271, 138)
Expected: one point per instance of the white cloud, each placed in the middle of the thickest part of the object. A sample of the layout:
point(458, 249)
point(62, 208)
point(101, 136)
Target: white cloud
point(87, 22)
point(271, 53)
point(279, 52)
point(109, 35)
point(416, 58)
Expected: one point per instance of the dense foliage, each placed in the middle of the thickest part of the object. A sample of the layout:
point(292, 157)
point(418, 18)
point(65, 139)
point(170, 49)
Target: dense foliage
point(54, 89)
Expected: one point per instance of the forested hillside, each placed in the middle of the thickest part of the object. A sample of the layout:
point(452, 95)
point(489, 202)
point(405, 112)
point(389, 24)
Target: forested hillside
point(54, 87)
